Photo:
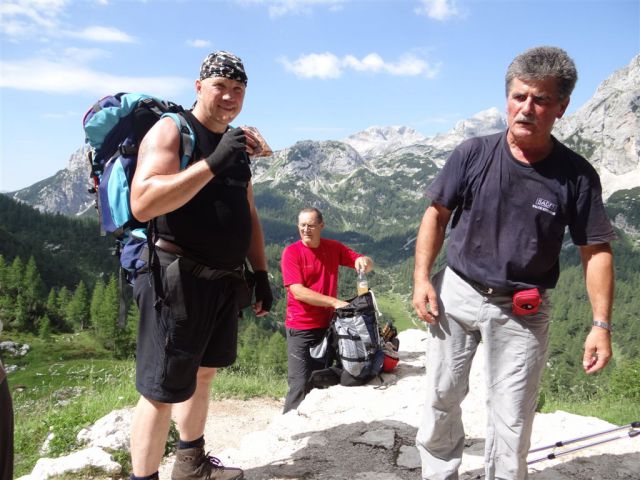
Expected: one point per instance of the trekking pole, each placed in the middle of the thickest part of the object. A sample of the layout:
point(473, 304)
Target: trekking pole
point(561, 443)
point(551, 456)
point(631, 434)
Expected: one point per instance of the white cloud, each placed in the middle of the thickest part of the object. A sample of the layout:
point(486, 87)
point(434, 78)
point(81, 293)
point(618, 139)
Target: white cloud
point(438, 9)
point(372, 63)
point(78, 55)
point(102, 34)
point(199, 43)
point(22, 17)
point(278, 8)
point(315, 65)
point(65, 77)
point(41, 19)
point(329, 66)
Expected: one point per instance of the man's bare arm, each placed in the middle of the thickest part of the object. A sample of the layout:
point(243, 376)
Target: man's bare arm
point(306, 295)
point(428, 245)
point(597, 262)
point(158, 186)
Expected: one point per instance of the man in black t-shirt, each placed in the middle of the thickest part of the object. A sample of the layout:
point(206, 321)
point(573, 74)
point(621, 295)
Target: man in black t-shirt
point(510, 197)
point(206, 225)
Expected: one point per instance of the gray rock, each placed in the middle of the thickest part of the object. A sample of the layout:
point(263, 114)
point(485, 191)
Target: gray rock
point(111, 432)
point(408, 457)
point(378, 438)
point(74, 463)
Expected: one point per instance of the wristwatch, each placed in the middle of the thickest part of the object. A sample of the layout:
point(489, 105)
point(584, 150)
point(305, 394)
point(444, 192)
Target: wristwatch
point(605, 325)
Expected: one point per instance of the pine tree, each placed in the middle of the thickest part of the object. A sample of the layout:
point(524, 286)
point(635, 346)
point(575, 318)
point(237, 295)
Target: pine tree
point(275, 354)
point(107, 315)
point(32, 286)
point(78, 309)
point(64, 297)
point(51, 307)
point(6, 300)
point(96, 302)
point(6, 309)
point(3, 276)
point(250, 341)
point(45, 328)
point(14, 277)
point(21, 319)
point(125, 345)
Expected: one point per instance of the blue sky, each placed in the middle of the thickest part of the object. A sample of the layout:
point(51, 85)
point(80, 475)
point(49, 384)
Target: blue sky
point(318, 69)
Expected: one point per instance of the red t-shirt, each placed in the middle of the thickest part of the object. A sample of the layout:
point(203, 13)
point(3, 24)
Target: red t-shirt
point(317, 269)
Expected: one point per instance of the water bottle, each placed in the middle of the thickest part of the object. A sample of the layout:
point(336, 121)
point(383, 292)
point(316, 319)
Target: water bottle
point(362, 284)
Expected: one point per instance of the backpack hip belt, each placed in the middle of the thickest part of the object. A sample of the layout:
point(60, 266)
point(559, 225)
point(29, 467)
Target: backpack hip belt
point(173, 258)
point(168, 253)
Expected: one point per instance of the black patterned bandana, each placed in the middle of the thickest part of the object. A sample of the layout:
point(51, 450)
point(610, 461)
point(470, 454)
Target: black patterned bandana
point(223, 64)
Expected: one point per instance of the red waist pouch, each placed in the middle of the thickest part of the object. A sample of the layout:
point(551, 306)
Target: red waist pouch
point(526, 302)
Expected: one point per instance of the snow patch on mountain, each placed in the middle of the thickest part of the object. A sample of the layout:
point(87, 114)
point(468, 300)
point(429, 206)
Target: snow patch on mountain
point(377, 141)
point(315, 163)
point(482, 123)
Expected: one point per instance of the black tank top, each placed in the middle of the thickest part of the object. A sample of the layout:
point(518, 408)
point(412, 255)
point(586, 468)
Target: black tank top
point(214, 227)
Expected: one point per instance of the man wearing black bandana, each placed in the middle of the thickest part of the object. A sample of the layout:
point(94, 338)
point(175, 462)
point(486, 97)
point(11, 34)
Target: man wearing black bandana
point(206, 219)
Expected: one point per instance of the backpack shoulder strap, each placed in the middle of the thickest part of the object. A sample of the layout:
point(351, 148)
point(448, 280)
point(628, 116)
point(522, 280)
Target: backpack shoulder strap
point(187, 140)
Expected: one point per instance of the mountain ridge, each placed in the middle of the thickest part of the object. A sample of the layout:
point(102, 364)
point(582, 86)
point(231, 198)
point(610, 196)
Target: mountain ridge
point(606, 130)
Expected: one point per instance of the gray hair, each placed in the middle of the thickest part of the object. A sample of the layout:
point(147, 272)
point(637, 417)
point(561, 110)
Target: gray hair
point(312, 210)
point(540, 63)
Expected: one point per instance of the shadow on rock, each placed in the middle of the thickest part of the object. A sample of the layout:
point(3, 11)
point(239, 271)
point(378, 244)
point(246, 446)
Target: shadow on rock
point(607, 466)
point(380, 450)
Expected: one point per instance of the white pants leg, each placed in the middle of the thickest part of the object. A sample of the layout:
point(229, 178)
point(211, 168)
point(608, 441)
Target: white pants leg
point(515, 350)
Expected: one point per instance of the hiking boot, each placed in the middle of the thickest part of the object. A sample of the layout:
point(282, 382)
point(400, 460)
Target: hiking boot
point(193, 463)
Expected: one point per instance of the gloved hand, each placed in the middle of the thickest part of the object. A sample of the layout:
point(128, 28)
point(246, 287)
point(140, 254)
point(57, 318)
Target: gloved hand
point(263, 290)
point(229, 152)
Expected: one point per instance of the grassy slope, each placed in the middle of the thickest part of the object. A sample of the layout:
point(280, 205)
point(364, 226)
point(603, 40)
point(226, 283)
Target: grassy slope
point(67, 382)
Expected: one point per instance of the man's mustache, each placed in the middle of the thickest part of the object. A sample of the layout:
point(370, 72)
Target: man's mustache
point(524, 119)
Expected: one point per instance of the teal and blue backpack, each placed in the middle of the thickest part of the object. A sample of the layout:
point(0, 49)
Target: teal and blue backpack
point(114, 127)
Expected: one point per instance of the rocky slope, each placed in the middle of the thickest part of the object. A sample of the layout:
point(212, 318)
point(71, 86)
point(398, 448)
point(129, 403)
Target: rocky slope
point(65, 192)
point(367, 433)
point(607, 129)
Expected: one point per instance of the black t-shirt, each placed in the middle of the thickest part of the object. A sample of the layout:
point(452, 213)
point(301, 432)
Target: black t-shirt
point(214, 227)
point(509, 218)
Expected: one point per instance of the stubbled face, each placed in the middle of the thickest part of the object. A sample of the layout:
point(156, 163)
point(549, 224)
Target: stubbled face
point(532, 109)
point(220, 101)
point(309, 228)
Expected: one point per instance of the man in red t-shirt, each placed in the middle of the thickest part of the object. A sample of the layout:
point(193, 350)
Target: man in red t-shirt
point(310, 274)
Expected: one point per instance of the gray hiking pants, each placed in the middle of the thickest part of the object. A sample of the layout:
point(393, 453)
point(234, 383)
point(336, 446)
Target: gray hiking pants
point(515, 352)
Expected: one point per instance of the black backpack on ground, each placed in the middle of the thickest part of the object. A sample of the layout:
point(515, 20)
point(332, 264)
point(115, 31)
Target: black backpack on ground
point(353, 340)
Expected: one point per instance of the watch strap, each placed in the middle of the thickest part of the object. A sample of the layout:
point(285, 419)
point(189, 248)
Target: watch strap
point(605, 325)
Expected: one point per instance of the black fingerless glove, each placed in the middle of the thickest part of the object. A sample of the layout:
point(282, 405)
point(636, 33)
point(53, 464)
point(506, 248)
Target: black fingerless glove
point(263, 289)
point(229, 152)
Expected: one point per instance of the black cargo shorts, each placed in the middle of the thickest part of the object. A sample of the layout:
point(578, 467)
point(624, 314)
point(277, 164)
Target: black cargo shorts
point(170, 350)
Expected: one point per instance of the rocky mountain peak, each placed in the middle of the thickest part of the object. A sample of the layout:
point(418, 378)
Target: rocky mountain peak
point(485, 122)
point(308, 161)
point(65, 192)
point(378, 140)
point(606, 129)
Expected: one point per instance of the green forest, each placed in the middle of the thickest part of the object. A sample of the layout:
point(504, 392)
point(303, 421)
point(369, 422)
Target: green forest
point(58, 275)
point(59, 293)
